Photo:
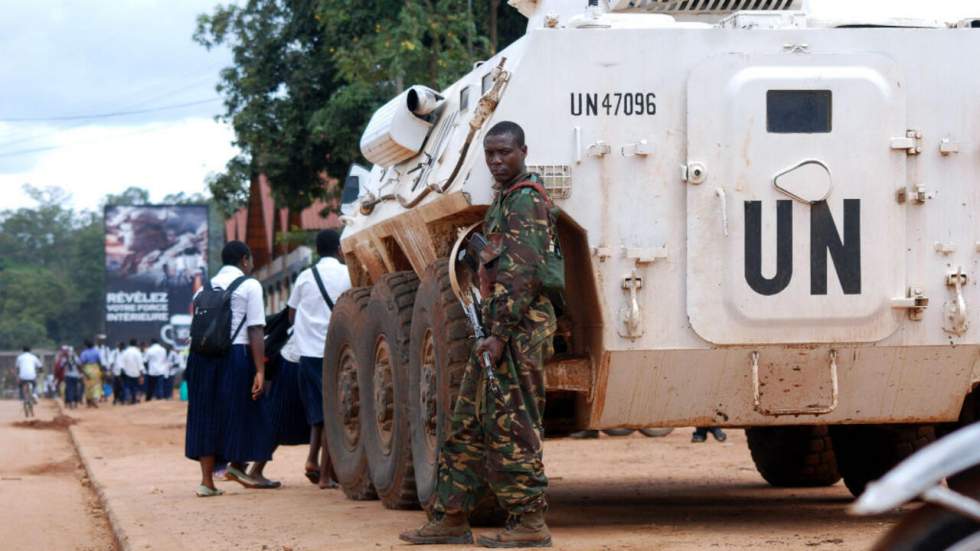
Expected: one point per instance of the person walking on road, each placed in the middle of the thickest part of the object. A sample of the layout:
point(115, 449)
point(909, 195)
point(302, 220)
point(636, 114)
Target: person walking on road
point(495, 437)
point(92, 371)
point(157, 370)
point(310, 305)
point(701, 434)
point(105, 362)
point(174, 366)
point(74, 387)
point(115, 369)
point(225, 420)
point(131, 366)
point(28, 366)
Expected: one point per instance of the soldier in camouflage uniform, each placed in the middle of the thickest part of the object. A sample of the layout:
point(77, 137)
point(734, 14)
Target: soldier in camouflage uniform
point(495, 440)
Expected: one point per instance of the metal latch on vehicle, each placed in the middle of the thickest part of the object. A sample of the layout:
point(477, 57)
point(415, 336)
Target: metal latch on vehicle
point(918, 195)
point(914, 301)
point(694, 173)
point(955, 320)
point(630, 316)
point(911, 143)
point(812, 409)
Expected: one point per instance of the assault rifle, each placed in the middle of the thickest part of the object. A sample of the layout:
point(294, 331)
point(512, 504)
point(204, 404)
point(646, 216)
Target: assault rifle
point(469, 258)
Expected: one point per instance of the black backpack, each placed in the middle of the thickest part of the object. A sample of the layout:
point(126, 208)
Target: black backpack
point(276, 335)
point(211, 326)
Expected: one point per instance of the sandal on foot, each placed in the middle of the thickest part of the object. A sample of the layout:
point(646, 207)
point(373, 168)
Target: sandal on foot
point(234, 475)
point(204, 491)
point(266, 484)
point(312, 476)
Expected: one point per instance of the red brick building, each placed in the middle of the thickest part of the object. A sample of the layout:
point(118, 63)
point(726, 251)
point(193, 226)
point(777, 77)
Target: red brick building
point(262, 225)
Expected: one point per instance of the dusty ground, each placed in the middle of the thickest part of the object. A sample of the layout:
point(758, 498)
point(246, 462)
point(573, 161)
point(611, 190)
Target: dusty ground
point(617, 493)
point(44, 493)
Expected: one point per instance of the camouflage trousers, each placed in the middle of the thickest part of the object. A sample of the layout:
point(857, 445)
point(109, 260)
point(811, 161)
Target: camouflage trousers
point(496, 441)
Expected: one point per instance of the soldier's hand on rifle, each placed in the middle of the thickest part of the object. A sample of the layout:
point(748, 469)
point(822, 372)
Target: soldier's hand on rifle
point(493, 346)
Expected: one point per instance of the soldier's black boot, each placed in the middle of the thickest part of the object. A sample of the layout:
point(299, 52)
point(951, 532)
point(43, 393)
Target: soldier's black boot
point(451, 528)
point(527, 530)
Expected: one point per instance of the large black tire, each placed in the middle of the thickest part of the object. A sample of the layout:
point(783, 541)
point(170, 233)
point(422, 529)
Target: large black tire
point(931, 527)
point(341, 396)
point(440, 347)
point(866, 452)
point(656, 433)
point(441, 341)
point(794, 457)
point(383, 379)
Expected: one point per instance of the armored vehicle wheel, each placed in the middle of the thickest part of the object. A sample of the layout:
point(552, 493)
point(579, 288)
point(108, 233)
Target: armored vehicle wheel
point(866, 452)
point(794, 457)
point(618, 432)
point(440, 348)
point(656, 433)
point(383, 378)
point(341, 396)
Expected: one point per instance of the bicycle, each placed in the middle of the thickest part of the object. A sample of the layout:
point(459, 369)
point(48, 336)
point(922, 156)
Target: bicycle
point(27, 396)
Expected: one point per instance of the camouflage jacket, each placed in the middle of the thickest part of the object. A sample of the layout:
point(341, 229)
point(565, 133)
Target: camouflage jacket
point(516, 225)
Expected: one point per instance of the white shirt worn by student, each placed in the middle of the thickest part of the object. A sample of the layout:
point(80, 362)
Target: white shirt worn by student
point(312, 312)
point(27, 366)
point(174, 363)
point(156, 360)
point(246, 301)
point(117, 365)
point(131, 361)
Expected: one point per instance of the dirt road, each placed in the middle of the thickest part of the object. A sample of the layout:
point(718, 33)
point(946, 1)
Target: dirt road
point(44, 493)
point(617, 493)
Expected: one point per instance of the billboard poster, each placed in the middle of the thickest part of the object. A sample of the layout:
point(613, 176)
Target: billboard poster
point(156, 259)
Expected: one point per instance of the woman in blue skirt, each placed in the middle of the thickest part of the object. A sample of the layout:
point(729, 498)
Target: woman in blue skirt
point(226, 421)
point(285, 412)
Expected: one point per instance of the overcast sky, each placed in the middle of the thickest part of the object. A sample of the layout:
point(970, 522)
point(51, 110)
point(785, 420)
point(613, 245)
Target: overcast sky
point(73, 58)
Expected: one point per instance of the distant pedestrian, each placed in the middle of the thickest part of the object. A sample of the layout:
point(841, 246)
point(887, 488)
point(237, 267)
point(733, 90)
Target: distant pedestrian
point(144, 389)
point(58, 369)
point(173, 368)
point(92, 371)
point(131, 365)
point(105, 362)
point(157, 370)
point(115, 369)
point(310, 305)
point(224, 417)
point(74, 386)
point(701, 434)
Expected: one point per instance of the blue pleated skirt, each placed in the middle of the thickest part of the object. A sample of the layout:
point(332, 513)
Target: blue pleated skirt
point(311, 388)
point(222, 418)
point(285, 408)
point(248, 434)
point(204, 416)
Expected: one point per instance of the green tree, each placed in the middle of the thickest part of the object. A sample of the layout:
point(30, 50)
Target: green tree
point(51, 272)
point(131, 196)
point(308, 74)
point(280, 77)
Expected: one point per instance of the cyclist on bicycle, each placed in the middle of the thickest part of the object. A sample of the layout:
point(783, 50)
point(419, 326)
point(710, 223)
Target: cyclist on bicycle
point(27, 367)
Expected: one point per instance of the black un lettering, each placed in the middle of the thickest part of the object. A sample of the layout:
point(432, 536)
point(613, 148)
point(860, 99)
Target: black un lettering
point(825, 241)
point(753, 248)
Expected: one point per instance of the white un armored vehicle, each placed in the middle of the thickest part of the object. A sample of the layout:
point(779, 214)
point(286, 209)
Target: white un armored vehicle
point(769, 220)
